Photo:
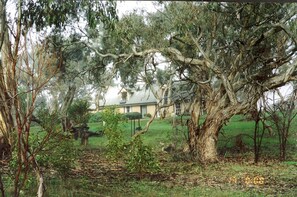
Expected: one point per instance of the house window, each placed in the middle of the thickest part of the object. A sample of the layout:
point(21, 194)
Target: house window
point(143, 110)
point(128, 109)
point(177, 109)
point(124, 96)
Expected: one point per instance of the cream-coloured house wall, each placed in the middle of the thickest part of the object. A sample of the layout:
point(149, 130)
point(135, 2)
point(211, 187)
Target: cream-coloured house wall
point(171, 109)
point(135, 108)
point(151, 109)
point(121, 110)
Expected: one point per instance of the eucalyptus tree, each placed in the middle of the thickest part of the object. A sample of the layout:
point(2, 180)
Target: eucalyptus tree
point(27, 66)
point(71, 78)
point(233, 53)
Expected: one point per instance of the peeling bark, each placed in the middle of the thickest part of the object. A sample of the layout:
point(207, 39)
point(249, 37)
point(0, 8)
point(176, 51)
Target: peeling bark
point(207, 141)
point(6, 80)
point(203, 141)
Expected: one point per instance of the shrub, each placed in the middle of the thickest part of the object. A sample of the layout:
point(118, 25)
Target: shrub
point(148, 115)
point(140, 158)
point(114, 135)
point(59, 153)
point(133, 115)
point(54, 148)
point(95, 117)
point(47, 119)
point(78, 112)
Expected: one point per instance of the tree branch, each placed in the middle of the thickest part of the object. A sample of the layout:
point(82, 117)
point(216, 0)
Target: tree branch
point(279, 80)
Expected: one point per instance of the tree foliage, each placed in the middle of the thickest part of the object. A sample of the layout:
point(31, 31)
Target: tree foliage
point(78, 112)
point(44, 13)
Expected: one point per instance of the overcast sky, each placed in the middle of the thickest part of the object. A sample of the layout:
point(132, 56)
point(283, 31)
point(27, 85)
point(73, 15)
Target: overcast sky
point(124, 7)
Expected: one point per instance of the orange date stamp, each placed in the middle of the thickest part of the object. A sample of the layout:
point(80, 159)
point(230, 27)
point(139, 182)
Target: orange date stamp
point(247, 180)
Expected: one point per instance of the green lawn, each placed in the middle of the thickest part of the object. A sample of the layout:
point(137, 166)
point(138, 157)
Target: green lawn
point(161, 132)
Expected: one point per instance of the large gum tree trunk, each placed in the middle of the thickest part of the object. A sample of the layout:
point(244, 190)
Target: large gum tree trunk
point(207, 141)
point(193, 127)
point(203, 138)
point(203, 141)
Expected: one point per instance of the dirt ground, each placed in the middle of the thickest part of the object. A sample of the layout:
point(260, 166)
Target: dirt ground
point(269, 177)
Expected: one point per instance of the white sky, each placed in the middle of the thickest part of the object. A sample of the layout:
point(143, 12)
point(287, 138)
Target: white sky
point(125, 7)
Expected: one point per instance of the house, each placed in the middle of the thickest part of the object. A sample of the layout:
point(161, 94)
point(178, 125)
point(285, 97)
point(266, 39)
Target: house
point(143, 100)
point(130, 100)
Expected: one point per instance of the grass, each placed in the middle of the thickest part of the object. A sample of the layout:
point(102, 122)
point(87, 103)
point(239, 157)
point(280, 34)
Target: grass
point(161, 132)
point(155, 189)
point(138, 189)
point(235, 175)
point(269, 143)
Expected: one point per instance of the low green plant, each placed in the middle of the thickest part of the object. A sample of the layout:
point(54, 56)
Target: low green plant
point(95, 117)
point(78, 112)
point(53, 148)
point(111, 118)
point(133, 115)
point(140, 158)
point(59, 153)
point(148, 115)
point(46, 118)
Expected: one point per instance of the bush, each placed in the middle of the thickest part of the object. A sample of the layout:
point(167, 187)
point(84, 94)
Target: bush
point(78, 112)
point(148, 115)
point(140, 158)
point(47, 119)
point(114, 135)
point(95, 117)
point(59, 153)
point(55, 149)
point(133, 115)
